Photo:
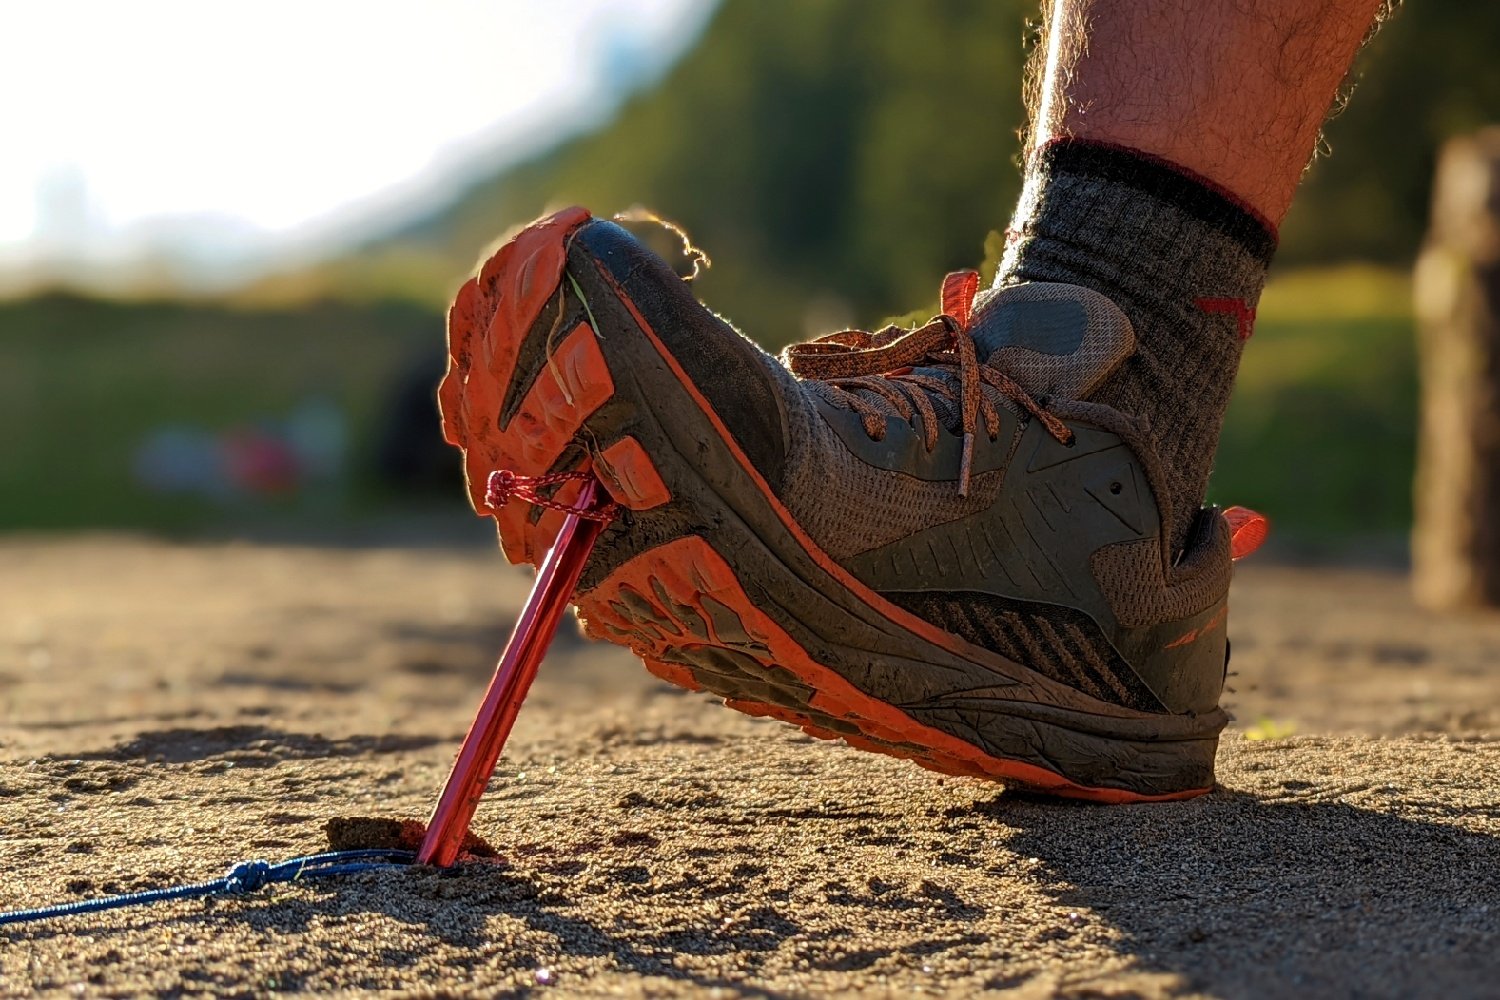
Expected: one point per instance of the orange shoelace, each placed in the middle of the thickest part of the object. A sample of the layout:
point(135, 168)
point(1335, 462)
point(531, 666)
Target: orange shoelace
point(880, 364)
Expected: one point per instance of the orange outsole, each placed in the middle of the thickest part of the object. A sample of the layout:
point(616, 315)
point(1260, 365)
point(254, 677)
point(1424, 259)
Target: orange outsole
point(490, 317)
point(680, 575)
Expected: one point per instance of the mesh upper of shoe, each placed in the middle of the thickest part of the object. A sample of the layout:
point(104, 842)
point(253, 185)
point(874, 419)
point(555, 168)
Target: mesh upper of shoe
point(1054, 340)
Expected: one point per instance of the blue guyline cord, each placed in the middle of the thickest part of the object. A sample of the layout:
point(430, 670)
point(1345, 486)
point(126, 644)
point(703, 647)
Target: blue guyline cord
point(245, 877)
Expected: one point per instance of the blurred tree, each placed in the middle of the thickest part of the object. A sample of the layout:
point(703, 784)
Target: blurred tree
point(850, 151)
point(844, 150)
point(1429, 75)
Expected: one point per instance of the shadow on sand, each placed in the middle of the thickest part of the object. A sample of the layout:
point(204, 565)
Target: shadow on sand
point(1239, 895)
point(1289, 892)
point(1246, 896)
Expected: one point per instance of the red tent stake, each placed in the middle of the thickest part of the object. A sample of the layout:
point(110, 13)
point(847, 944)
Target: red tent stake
point(516, 670)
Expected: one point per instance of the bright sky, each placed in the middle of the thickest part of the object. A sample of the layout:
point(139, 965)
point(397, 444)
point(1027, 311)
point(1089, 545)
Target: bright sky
point(279, 119)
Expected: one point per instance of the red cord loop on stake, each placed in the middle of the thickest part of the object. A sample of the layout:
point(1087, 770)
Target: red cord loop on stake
point(504, 486)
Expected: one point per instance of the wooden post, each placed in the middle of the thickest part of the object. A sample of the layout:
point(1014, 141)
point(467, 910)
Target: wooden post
point(1456, 536)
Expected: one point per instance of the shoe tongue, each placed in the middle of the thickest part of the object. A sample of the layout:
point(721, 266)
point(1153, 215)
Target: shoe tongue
point(1053, 339)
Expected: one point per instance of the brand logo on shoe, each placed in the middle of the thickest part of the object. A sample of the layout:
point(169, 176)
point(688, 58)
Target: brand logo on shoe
point(1201, 631)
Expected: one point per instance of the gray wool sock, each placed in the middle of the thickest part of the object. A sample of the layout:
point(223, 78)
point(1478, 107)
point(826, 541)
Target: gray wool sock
point(1184, 260)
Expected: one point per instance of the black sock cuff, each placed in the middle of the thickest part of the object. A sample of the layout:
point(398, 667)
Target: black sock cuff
point(1191, 193)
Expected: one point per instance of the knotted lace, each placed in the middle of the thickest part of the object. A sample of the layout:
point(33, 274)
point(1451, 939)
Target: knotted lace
point(863, 369)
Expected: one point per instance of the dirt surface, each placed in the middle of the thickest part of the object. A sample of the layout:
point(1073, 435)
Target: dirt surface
point(168, 710)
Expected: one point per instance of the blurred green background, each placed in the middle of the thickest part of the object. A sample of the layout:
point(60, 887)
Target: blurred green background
point(835, 157)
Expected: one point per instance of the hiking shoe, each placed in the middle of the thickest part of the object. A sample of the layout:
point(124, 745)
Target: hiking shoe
point(927, 543)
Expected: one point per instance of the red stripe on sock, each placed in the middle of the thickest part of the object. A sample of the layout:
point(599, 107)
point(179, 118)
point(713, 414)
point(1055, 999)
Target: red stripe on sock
point(1243, 314)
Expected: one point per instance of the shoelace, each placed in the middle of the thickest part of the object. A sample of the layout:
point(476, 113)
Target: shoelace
point(880, 364)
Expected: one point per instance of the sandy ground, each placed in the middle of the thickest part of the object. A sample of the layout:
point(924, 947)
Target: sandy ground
point(167, 710)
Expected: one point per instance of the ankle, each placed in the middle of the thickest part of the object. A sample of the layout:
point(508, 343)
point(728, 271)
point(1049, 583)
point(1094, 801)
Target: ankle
point(1183, 260)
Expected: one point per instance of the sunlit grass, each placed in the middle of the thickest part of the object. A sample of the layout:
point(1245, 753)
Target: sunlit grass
point(1347, 291)
point(83, 382)
point(1321, 433)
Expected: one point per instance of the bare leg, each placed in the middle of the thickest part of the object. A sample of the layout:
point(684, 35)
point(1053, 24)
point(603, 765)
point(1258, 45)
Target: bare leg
point(1235, 91)
point(1168, 140)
